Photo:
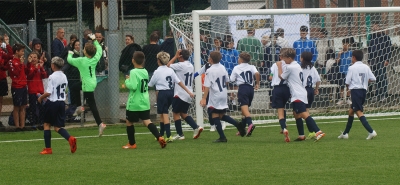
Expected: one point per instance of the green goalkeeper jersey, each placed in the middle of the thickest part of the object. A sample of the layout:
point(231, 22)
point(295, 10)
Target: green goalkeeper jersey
point(137, 84)
point(87, 68)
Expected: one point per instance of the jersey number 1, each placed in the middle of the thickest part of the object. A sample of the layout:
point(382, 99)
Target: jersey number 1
point(223, 85)
point(61, 90)
point(144, 86)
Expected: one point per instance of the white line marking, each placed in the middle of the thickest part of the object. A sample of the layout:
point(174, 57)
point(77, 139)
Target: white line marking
point(229, 128)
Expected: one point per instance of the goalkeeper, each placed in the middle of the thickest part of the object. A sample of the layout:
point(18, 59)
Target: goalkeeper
point(87, 66)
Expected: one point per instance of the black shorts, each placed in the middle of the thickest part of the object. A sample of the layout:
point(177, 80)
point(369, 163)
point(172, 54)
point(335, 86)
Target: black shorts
point(164, 101)
point(20, 96)
point(55, 113)
point(299, 107)
point(134, 116)
point(245, 94)
point(216, 111)
point(310, 96)
point(357, 99)
point(280, 96)
point(179, 106)
point(3, 87)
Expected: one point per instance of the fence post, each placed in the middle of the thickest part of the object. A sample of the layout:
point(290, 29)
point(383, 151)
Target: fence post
point(113, 58)
point(32, 29)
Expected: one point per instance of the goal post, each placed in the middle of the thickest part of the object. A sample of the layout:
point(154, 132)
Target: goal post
point(341, 23)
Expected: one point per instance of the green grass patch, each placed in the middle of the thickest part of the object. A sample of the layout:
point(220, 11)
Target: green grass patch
point(263, 158)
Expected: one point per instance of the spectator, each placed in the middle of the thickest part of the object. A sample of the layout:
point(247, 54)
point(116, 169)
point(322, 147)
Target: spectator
point(18, 86)
point(103, 62)
point(150, 51)
point(6, 54)
point(73, 77)
point(57, 46)
point(217, 45)
point(281, 41)
point(69, 47)
point(35, 75)
point(265, 42)
point(323, 45)
point(271, 55)
point(379, 53)
point(125, 61)
point(304, 44)
point(160, 40)
point(85, 38)
point(37, 46)
point(250, 45)
point(344, 60)
point(205, 47)
point(230, 56)
point(169, 44)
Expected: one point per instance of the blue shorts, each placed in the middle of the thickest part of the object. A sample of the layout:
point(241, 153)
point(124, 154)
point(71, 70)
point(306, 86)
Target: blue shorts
point(245, 94)
point(133, 116)
point(310, 96)
point(20, 96)
point(280, 96)
point(179, 106)
point(216, 111)
point(164, 101)
point(299, 107)
point(55, 113)
point(357, 99)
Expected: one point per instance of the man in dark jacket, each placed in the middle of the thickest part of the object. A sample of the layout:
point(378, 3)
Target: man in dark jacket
point(169, 45)
point(379, 51)
point(57, 46)
point(125, 61)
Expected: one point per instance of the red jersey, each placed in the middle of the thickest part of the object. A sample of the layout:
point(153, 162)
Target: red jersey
point(17, 73)
point(35, 76)
point(4, 58)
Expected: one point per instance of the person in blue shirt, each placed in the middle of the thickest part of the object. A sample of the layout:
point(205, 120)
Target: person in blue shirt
point(230, 56)
point(344, 61)
point(304, 44)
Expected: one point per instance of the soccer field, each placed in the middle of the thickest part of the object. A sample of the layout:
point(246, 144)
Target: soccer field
point(263, 158)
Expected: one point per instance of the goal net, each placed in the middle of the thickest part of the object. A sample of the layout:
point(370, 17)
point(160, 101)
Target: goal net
point(330, 34)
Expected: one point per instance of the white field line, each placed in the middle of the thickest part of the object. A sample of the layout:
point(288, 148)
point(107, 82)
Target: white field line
point(114, 135)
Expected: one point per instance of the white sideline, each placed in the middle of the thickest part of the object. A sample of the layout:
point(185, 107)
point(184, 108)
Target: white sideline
point(113, 135)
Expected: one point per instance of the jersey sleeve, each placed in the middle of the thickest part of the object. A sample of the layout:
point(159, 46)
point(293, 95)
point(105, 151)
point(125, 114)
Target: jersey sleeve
point(371, 75)
point(99, 51)
point(348, 76)
point(315, 76)
point(202, 70)
point(286, 72)
point(176, 67)
point(233, 75)
point(254, 69)
point(175, 78)
point(273, 70)
point(208, 80)
point(74, 61)
point(131, 83)
point(154, 79)
point(50, 87)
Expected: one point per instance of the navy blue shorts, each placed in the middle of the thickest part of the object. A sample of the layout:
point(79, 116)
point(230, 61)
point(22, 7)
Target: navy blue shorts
point(310, 96)
point(55, 113)
point(3, 87)
point(133, 116)
point(216, 111)
point(179, 106)
point(245, 94)
point(280, 96)
point(164, 101)
point(357, 99)
point(299, 107)
point(20, 96)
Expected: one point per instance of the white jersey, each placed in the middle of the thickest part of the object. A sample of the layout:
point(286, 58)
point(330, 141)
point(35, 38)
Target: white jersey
point(184, 71)
point(204, 69)
point(56, 86)
point(164, 78)
point(294, 76)
point(243, 73)
point(358, 76)
point(216, 78)
point(311, 77)
point(275, 74)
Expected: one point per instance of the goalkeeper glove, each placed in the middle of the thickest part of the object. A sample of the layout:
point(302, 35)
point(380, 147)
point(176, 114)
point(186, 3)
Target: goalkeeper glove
point(91, 36)
point(70, 52)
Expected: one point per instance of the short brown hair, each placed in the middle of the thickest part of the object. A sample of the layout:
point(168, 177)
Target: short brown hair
point(245, 57)
point(130, 36)
point(90, 49)
point(215, 56)
point(73, 36)
point(35, 53)
point(185, 54)
point(154, 37)
point(139, 57)
point(288, 52)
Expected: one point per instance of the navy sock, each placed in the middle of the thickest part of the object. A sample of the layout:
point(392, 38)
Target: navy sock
point(311, 123)
point(47, 138)
point(130, 131)
point(229, 120)
point(218, 126)
point(167, 129)
point(366, 124)
point(248, 120)
point(64, 133)
point(244, 122)
point(153, 130)
point(282, 123)
point(349, 124)
point(162, 128)
point(300, 126)
point(178, 127)
point(191, 122)
point(210, 116)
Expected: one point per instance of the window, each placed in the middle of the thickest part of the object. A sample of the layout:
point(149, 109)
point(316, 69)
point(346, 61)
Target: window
point(373, 3)
point(315, 19)
point(284, 4)
point(345, 18)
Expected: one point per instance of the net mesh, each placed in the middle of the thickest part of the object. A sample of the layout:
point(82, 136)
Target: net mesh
point(376, 34)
